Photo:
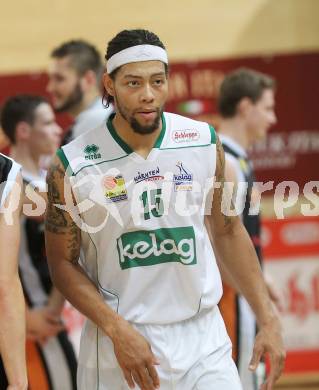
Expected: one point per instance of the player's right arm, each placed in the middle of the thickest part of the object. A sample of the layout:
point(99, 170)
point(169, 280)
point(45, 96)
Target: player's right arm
point(12, 308)
point(63, 241)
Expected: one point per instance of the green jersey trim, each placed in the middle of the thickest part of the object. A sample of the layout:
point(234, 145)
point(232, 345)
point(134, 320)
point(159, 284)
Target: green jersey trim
point(212, 134)
point(159, 140)
point(187, 147)
point(127, 149)
point(100, 162)
point(65, 162)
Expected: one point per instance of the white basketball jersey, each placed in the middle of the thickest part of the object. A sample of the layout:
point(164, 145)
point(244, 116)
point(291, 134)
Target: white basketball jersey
point(144, 241)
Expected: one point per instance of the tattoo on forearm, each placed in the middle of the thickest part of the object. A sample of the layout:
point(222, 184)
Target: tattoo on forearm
point(55, 218)
point(57, 221)
point(73, 243)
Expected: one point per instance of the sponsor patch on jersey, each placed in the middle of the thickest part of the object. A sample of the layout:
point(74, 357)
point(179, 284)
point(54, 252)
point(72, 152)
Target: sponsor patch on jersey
point(183, 181)
point(92, 152)
point(151, 175)
point(150, 247)
point(186, 135)
point(115, 189)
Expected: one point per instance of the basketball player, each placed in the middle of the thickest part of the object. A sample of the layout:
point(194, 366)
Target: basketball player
point(29, 123)
point(246, 104)
point(75, 85)
point(149, 284)
point(13, 374)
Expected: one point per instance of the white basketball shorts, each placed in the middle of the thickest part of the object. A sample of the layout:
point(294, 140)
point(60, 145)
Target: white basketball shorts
point(194, 355)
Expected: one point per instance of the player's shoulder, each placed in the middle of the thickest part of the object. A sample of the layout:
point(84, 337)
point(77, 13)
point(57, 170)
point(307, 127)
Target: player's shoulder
point(182, 131)
point(8, 167)
point(92, 119)
point(9, 171)
point(96, 146)
point(85, 146)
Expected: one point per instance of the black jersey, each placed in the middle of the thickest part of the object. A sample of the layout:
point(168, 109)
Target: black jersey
point(251, 222)
point(8, 174)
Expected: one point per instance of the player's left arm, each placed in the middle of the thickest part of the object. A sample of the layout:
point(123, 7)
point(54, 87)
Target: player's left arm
point(235, 250)
point(12, 307)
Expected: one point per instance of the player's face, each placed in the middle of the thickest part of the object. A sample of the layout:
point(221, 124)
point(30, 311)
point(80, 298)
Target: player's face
point(140, 92)
point(64, 85)
point(262, 115)
point(45, 132)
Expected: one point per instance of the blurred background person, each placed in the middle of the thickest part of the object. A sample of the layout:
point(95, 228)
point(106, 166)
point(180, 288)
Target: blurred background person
point(74, 84)
point(246, 104)
point(13, 374)
point(29, 123)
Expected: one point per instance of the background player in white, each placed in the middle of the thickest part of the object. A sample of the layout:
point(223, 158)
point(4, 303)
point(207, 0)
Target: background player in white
point(12, 308)
point(75, 74)
point(152, 348)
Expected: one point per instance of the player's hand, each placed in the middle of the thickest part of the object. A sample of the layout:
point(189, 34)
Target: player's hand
point(269, 340)
point(135, 357)
point(21, 386)
point(41, 324)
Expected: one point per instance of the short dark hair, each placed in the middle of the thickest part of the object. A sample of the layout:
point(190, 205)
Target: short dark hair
point(84, 56)
point(125, 39)
point(239, 84)
point(19, 108)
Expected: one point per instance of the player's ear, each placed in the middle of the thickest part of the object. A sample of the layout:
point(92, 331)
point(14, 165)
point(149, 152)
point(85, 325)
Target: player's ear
point(88, 79)
point(108, 84)
point(244, 106)
point(23, 131)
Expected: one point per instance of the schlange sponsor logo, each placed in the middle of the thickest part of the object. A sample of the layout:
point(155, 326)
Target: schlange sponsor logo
point(151, 175)
point(91, 152)
point(186, 135)
point(183, 181)
point(151, 247)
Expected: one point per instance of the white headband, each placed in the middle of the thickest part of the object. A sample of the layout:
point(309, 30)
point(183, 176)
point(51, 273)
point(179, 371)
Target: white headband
point(136, 54)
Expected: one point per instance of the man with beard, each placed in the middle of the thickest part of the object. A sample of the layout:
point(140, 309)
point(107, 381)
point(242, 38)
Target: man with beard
point(13, 373)
point(74, 84)
point(149, 283)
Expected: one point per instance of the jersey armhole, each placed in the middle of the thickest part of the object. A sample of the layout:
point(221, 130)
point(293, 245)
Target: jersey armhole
point(212, 134)
point(65, 162)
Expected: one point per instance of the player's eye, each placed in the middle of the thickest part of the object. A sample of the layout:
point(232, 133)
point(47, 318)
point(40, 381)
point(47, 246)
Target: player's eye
point(133, 83)
point(158, 82)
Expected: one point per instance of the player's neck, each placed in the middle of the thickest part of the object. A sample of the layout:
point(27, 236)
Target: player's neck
point(30, 161)
point(235, 129)
point(86, 102)
point(140, 143)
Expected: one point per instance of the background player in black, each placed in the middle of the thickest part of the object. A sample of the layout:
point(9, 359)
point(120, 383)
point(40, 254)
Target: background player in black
point(246, 104)
point(12, 320)
point(29, 123)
